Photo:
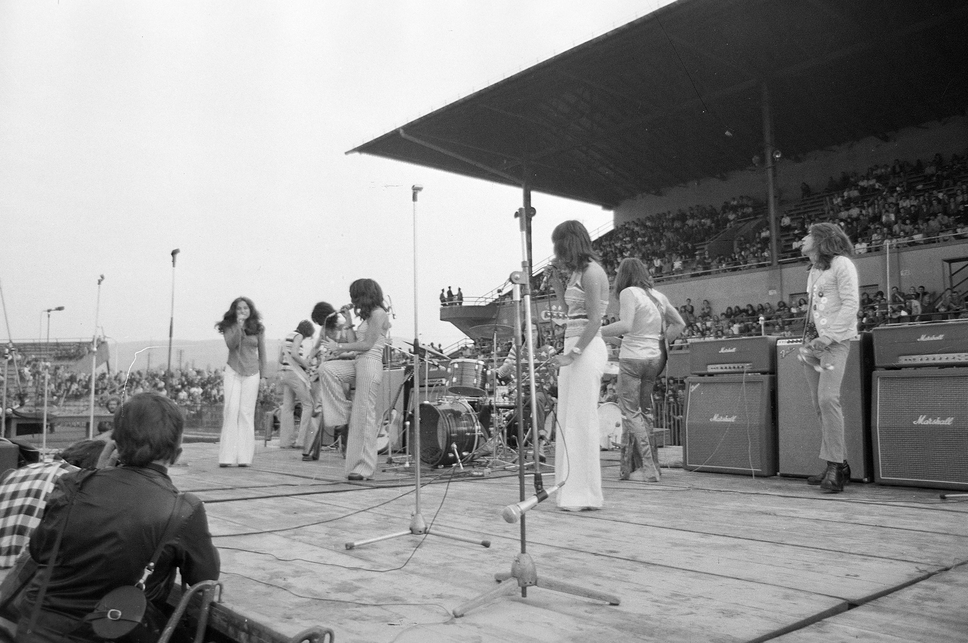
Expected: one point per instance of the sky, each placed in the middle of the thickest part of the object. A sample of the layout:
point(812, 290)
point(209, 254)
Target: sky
point(131, 128)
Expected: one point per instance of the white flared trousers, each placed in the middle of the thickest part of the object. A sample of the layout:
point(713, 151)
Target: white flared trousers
point(237, 444)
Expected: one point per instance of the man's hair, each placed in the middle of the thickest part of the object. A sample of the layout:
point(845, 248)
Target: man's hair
point(305, 328)
point(148, 427)
point(830, 241)
point(83, 453)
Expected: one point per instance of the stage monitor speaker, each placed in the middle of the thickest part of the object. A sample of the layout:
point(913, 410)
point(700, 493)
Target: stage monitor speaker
point(798, 427)
point(730, 425)
point(920, 427)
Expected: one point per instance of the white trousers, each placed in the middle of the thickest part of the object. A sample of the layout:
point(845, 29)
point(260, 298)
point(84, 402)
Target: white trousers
point(237, 444)
point(578, 439)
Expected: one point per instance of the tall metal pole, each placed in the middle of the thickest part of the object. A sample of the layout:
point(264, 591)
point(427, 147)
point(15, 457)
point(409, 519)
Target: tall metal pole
point(417, 525)
point(47, 381)
point(97, 312)
point(771, 159)
point(171, 325)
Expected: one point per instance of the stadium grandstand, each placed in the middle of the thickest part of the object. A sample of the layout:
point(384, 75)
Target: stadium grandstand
point(718, 131)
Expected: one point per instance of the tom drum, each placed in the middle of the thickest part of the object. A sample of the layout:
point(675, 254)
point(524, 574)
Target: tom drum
point(466, 377)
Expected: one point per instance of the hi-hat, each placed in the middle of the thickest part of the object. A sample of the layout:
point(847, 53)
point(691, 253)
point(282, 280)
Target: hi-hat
point(488, 331)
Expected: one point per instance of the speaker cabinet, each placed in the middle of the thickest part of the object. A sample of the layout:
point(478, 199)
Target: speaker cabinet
point(730, 425)
point(678, 364)
point(798, 427)
point(920, 427)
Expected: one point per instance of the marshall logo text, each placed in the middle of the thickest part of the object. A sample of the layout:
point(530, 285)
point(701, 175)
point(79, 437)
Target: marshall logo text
point(924, 420)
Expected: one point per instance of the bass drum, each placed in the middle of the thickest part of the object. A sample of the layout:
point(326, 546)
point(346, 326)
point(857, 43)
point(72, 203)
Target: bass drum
point(447, 425)
point(610, 425)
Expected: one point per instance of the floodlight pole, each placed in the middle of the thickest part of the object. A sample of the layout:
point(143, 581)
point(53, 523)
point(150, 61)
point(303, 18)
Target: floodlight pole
point(171, 325)
point(47, 380)
point(97, 312)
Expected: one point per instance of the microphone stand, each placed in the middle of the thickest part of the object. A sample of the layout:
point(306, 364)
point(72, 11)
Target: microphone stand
point(418, 526)
point(523, 569)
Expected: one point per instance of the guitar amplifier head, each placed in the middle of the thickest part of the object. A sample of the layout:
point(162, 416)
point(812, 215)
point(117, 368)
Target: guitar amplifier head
point(931, 344)
point(735, 355)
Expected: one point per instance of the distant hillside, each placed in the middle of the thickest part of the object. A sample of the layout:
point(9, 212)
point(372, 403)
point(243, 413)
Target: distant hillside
point(209, 354)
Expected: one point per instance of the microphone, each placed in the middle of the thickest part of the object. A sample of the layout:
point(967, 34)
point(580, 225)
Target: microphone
point(513, 512)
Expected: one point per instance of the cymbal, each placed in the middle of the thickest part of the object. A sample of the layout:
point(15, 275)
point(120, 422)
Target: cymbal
point(487, 331)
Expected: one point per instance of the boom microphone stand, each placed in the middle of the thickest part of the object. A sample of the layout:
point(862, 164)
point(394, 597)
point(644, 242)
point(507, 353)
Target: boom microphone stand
point(418, 526)
point(523, 569)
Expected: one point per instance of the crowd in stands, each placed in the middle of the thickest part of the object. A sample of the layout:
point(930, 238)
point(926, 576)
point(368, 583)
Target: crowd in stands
point(190, 387)
point(905, 204)
point(672, 243)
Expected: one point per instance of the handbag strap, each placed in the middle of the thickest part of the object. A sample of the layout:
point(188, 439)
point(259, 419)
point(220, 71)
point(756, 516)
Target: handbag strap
point(171, 528)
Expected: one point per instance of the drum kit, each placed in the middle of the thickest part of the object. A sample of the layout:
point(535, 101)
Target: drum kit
point(470, 420)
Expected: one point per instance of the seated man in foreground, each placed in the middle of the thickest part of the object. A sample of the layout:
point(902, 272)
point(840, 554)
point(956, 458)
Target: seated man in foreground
point(113, 521)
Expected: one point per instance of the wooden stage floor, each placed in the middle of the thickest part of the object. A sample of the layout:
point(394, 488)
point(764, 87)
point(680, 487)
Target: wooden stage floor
point(698, 557)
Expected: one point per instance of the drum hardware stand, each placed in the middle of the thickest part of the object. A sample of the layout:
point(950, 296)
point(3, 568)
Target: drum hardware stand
point(418, 526)
point(523, 568)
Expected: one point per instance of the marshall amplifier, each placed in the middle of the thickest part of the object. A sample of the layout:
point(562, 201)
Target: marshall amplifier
point(798, 428)
point(920, 427)
point(739, 355)
point(678, 365)
point(729, 425)
point(921, 345)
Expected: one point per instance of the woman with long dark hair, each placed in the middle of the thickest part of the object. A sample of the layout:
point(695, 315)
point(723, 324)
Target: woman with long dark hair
point(366, 371)
point(244, 334)
point(831, 323)
point(581, 287)
point(647, 322)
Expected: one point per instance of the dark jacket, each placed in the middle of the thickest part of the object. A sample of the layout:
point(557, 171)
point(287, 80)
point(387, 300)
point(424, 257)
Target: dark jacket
point(113, 528)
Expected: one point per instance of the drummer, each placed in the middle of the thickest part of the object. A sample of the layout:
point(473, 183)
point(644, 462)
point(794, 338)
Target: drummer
point(544, 378)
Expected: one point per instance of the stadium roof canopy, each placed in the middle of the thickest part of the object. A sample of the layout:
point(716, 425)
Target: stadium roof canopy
point(678, 95)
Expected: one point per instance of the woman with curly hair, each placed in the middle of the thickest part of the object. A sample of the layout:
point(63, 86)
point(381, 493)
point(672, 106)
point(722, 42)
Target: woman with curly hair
point(244, 334)
point(365, 370)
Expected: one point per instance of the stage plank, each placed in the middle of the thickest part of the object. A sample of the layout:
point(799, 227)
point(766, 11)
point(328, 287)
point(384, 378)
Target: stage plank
point(697, 557)
point(930, 611)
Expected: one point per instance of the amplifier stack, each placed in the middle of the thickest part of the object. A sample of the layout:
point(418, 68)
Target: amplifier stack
point(730, 423)
point(920, 405)
point(797, 421)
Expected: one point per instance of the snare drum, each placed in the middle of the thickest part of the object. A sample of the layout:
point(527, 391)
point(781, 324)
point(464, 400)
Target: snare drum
point(466, 377)
point(610, 425)
point(446, 425)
